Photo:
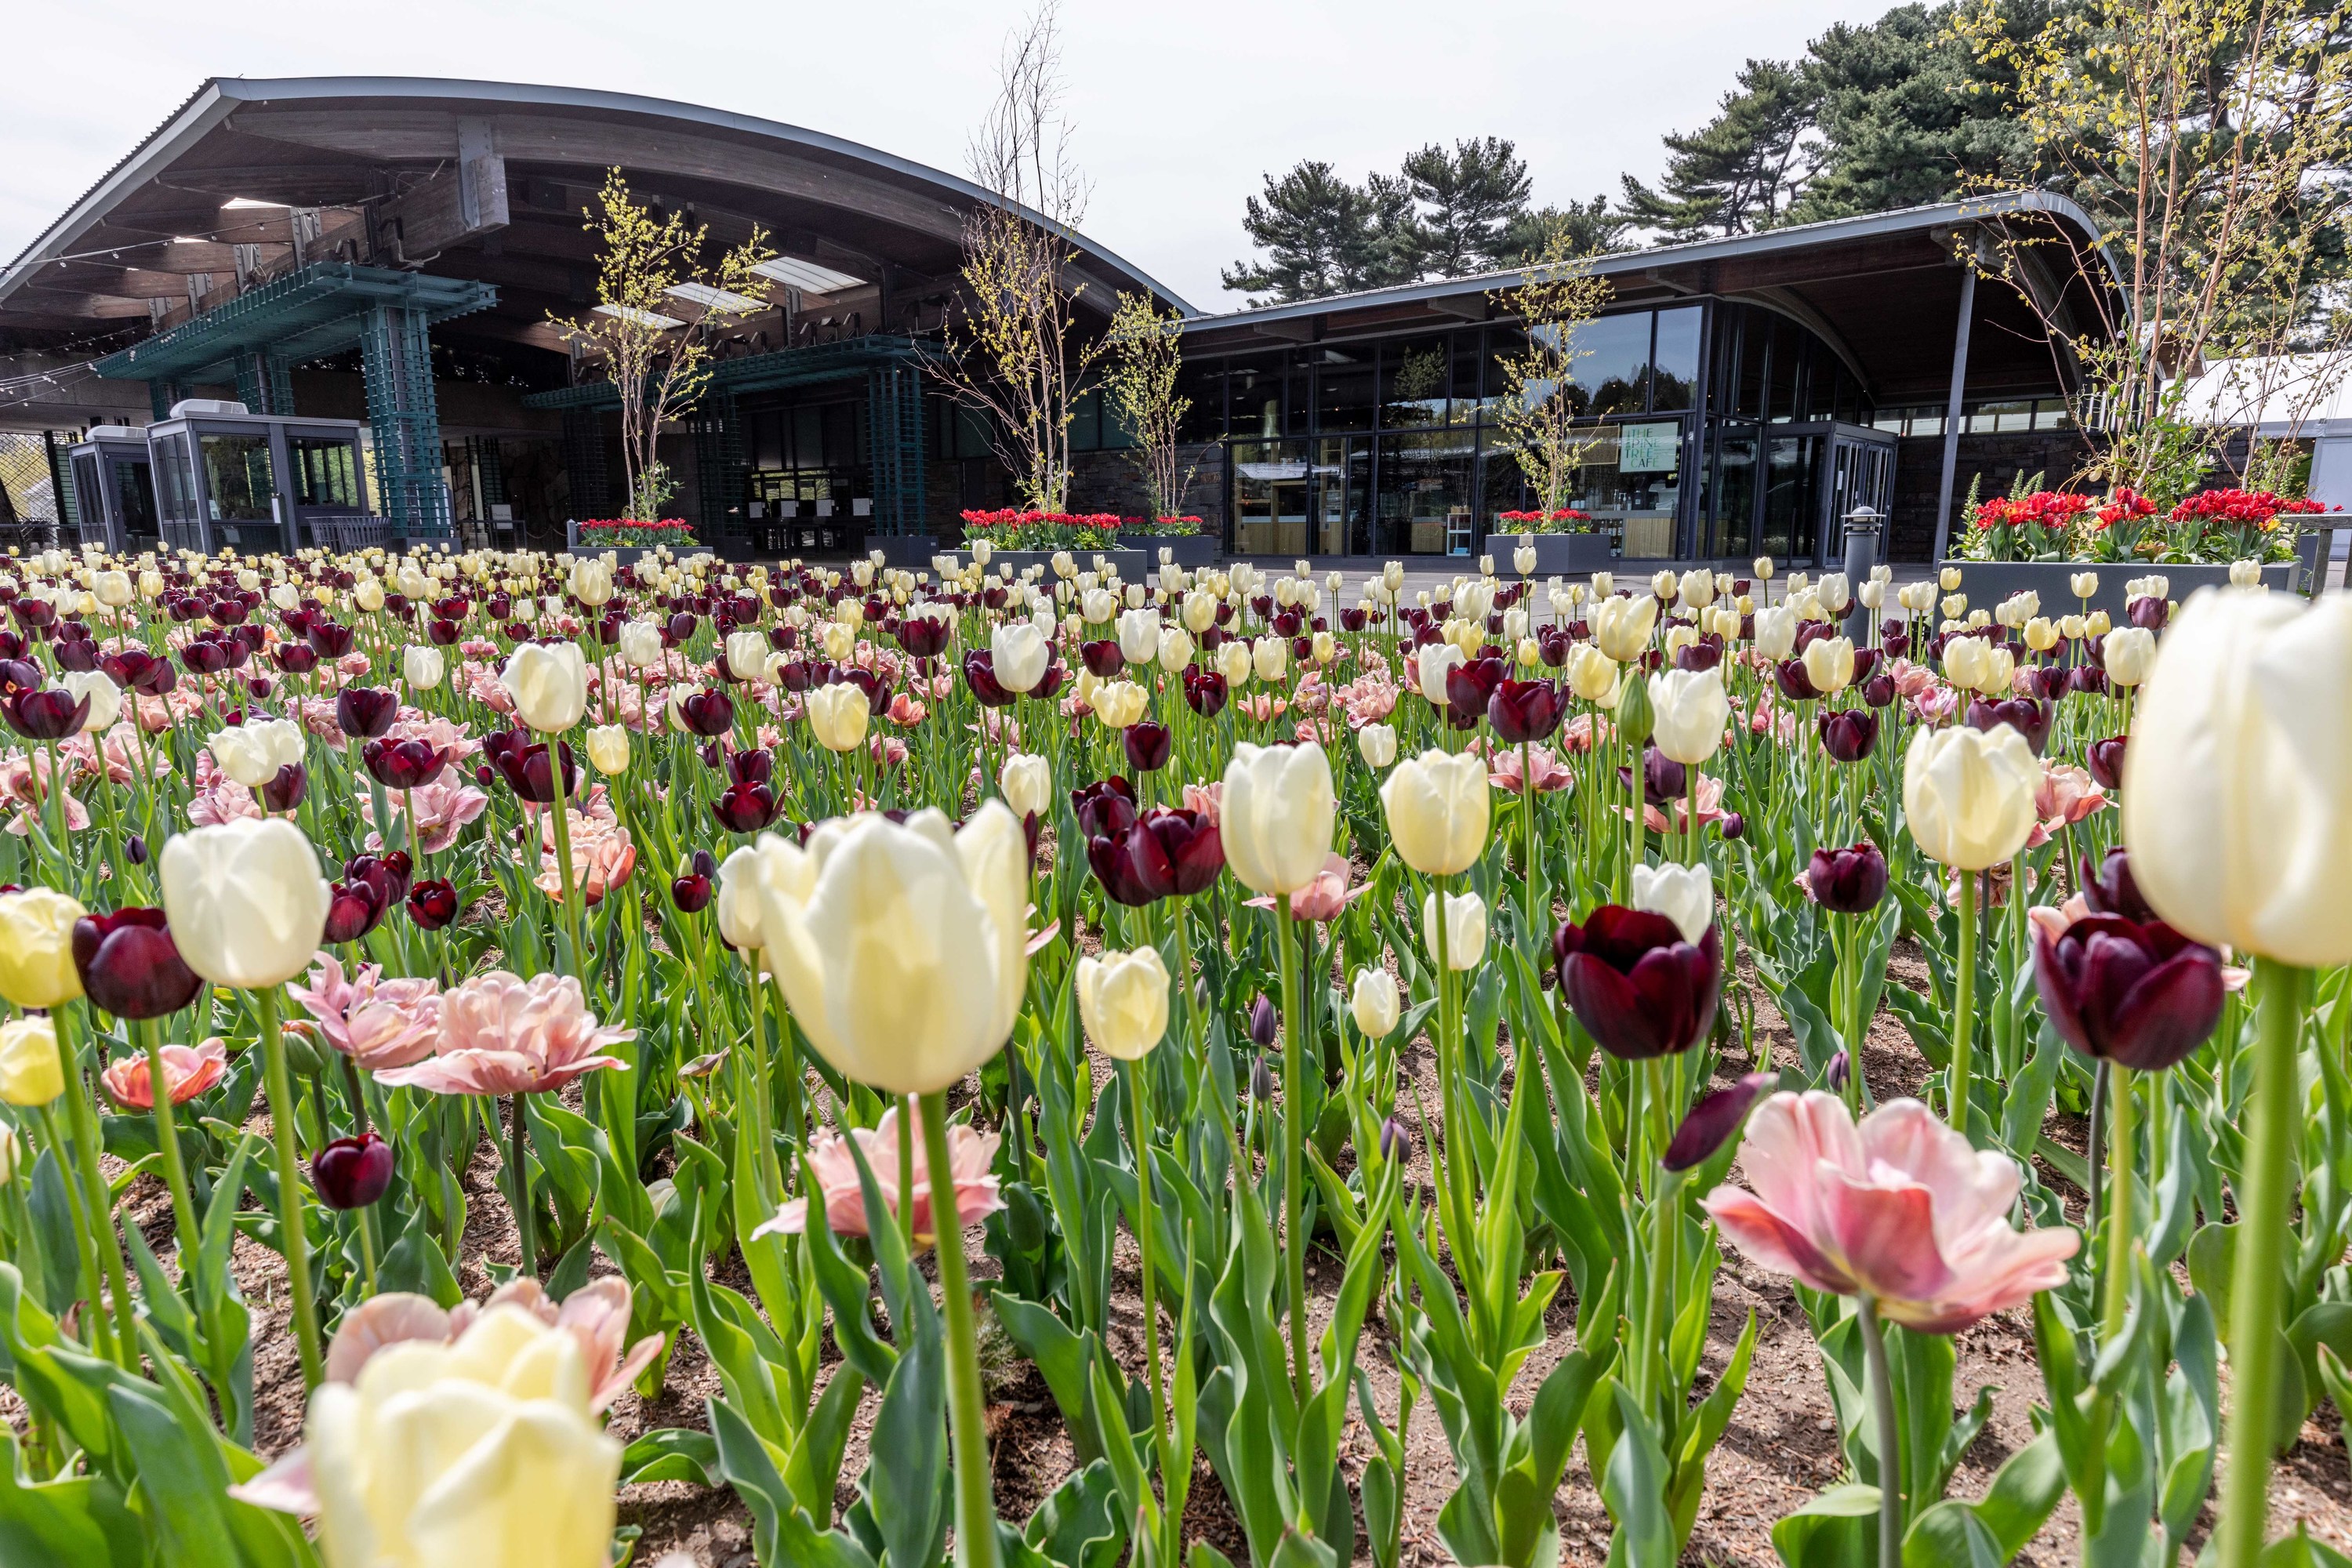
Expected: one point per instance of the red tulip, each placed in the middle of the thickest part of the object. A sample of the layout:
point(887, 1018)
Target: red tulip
point(1634, 983)
point(432, 904)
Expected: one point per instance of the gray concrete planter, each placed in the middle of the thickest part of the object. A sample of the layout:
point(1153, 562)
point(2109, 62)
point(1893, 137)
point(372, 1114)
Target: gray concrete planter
point(1987, 583)
point(907, 552)
point(1557, 554)
point(1190, 550)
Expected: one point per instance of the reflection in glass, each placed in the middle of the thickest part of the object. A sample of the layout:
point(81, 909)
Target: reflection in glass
point(1343, 478)
point(237, 476)
point(326, 472)
point(1792, 491)
point(1612, 364)
point(1424, 492)
point(1343, 389)
point(1255, 387)
point(1413, 376)
point(1730, 506)
point(1270, 484)
point(1673, 364)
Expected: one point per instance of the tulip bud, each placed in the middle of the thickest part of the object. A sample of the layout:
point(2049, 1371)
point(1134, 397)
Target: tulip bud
point(1375, 1003)
point(1715, 1119)
point(353, 1172)
point(1123, 1002)
point(31, 1072)
point(1464, 940)
point(1264, 1024)
point(1635, 720)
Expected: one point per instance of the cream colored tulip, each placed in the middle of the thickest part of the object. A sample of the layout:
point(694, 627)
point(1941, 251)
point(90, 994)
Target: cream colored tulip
point(247, 904)
point(550, 684)
point(1621, 628)
point(1374, 1002)
point(1232, 661)
point(1377, 745)
point(254, 753)
point(1465, 929)
point(1968, 795)
point(1276, 815)
point(2245, 574)
point(32, 1074)
point(2040, 635)
point(1028, 785)
point(1829, 664)
point(641, 645)
point(1175, 650)
point(423, 667)
point(1270, 658)
point(1949, 577)
point(592, 582)
point(901, 950)
point(2085, 584)
point(746, 655)
point(1776, 632)
point(2127, 652)
point(484, 1450)
point(1438, 807)
point(1689, 709)
point(1683, 894)
point(2238, 783)
point(1592, 674)
point(608, 748)
point(838, 715)
point(1119, 703)
point(104, 697)
point(1123, 1002)
point(1138, 636)
point(36, 962)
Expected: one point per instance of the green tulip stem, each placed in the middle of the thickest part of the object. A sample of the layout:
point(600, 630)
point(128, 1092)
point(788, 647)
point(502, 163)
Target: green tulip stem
point(167, 1141)
point(367, 1245)
point(2096, 1145)
point(975, 1525)
point(907, 1134)
point(1294, 1138)
point(519, 1178)
point(101, 1333)
point(2284, 993)
point(295, 1242)
point(1964, 986)
point(2116, 1293)
point(97, 1200)
point(559, 810)
point(1890, 1439)
point(1690, 817)
point(1528, 820)
point(1140, 1130)
point(357, 1091)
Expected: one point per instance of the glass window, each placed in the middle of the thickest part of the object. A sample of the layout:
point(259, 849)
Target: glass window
point(171, 479)
point(2052, 414)
point(1786, 369)
point(1086, 421)
point(1255, 384)
point(1341, 475)
point(1673, 364)
point(1204, 387)
point(1630, 482)
point(1344, 389)
point(1270, 498)
point(1468, 402)
point(1791, 497)
point(1425, 492)
point(89, 506)
point(1502, 345)
point(1413, 377)
point(1754, 342)
point(1729, 505)
point(326, 472)
point(237, 476)
point(1988, 417)
point(1612, 364)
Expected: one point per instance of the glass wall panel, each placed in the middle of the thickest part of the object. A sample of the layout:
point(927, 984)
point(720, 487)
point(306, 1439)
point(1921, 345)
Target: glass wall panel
point(1730, 507)
point(1413, 377)
point(326, 472)
point(1674, 362)
point(237, 476)
point(1786, 370)
point(1754, 337)
point(1469, 402)
point(1203, 384)
point(1270, 498)
point(1630, 481)
point(1791, 497)
point(1344, 390)
point(1254, 386)
point(1426, 493)
point(1342, 474)
point(1612, 364)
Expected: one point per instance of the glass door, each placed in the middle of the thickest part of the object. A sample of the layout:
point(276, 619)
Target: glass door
point(1861, 473)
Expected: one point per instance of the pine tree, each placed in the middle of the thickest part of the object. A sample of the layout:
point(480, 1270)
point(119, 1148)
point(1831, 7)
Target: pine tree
point(1323, 235)
point(1471, 197)
point(1739, 172)
point(1593, 230)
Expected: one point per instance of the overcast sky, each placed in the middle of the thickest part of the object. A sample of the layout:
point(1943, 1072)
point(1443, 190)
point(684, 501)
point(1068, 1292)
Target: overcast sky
point(1178, 110)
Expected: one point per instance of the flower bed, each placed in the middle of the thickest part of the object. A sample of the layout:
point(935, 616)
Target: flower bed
point(1040, 531)
point(2126, 529)
point(624, 533)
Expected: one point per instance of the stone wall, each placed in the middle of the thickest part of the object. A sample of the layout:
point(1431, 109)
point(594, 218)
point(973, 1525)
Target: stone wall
point(1110, 482)
point(1997, 460)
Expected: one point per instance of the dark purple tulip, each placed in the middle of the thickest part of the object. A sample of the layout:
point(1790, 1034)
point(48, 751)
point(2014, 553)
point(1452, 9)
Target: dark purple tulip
point(2148, 613)
point(709, 711)
point(745, 808)
point(362, 711)
point(691, 890)
point(2142, 995)
point(2106, 761)
point(1634, 983)
point(1102, 656)
point(296, 658)
point(1264, 1022)
point(1710, 1124)
point(353, 907)
point(1523, 710)
point(1866, 664)
point(1469, 686)
point(751, 765)
point(18, 675)
point(1734, 825)
point(1117, 865)
point(1849, 734)
point(1795, 685)
point(1105, 809)
point(433, 903)
point(1839, 1070)
point(2110, 889)
point(403, 764)
point(1206, 691)
point(1894, 640)
point(2088, 678)
point(1704, 654)
point(1663, 780)
point(1879, 689)
point(441, 633)
point(1147, 745)
point(527, 768)
point(51, 714)
point(1176, 851)
point(203, 655)
point(285, 791)
point(78, 655)
point(878, 695)
point(2027, 717)
point(1396, 1142)
point(129, 966)
point(329, 640)
point(980, 674)
point(1850, 882)
point(353, 1172)
point(2047, 681)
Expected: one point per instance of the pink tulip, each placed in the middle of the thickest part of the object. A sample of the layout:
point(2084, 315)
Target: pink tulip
point(188, 1071)
point(501, 1034)
point(1900, 1209)
point(969, 1155)
point(377, 1023)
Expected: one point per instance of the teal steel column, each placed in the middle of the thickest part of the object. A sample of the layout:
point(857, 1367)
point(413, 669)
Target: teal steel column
point(396, 362)
point(894, 426)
